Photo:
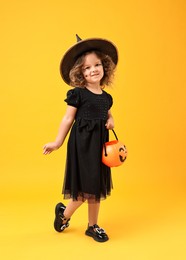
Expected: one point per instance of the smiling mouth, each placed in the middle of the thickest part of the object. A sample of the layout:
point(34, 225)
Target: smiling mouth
point(94, 75)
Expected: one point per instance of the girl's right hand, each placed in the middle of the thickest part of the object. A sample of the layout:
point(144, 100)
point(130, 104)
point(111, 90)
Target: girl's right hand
point(50, 147)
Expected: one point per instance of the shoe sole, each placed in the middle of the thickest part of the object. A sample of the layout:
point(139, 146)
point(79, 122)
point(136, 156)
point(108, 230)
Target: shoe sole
point(95, 237)
point(58, 226)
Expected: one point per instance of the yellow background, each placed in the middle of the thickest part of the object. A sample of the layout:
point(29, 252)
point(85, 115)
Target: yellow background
point(145, 216)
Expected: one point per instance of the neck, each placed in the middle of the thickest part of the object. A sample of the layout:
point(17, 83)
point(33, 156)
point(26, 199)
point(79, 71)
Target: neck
point(95, 89)
point(93, 86)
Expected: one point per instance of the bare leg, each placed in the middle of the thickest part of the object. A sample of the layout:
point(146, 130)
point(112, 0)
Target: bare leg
point(93, 229)
point(93, 211)
point(71, 208)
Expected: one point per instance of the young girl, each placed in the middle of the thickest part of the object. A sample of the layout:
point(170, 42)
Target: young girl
point(88, 66)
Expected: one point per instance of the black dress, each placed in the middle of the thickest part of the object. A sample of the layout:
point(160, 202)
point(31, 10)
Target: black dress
point(86, 177)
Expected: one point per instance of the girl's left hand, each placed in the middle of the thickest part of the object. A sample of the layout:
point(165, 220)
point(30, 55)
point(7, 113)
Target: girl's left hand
point(110, 123)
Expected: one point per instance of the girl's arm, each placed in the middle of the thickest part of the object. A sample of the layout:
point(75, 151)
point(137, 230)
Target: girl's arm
point(64, 128)
point(110, 121)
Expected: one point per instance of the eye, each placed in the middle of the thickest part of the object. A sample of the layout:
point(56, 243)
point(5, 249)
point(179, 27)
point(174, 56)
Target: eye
point(98, 64)
point(86, 68)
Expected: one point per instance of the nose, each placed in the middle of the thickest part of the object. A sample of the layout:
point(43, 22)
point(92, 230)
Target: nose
point(94, 69)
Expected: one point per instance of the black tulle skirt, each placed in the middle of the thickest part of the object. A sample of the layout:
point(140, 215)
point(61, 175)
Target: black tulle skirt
point(86, 177)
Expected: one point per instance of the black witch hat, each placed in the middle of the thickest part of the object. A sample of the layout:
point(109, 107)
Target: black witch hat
point(82, 46)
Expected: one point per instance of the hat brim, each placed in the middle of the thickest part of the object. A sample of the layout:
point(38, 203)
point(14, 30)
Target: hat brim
point(83, 46)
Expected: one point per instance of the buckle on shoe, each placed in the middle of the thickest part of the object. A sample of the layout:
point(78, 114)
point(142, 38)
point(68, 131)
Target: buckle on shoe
point(63, 227)
point(100, 231)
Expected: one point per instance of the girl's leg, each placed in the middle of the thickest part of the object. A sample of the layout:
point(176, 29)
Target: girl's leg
point(93, 212)
point(71, 208)
point(93, 229)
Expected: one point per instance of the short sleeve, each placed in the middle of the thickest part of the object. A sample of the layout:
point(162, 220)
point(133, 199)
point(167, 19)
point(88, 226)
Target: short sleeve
point(73, 98)
point(110, 100)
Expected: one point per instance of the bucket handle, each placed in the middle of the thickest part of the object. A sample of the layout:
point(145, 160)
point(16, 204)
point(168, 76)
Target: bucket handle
point(104, 146)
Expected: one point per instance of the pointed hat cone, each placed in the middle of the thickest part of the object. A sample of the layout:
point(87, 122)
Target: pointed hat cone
point(78, 38)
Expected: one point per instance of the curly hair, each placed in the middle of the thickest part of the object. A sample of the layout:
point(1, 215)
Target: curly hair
point(76, 76)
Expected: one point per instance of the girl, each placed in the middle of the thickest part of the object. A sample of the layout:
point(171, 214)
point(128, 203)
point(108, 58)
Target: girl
point(87, 66)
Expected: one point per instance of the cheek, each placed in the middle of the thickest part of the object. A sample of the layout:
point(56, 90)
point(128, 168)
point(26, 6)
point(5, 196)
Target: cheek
point(85, 74)
point(102, 72)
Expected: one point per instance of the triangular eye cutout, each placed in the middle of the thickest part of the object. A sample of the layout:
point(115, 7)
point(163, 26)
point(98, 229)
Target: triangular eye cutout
point(78, 38)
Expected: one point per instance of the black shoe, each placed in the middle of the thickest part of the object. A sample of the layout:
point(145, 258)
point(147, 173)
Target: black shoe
point(96, 233)
point(59, 218)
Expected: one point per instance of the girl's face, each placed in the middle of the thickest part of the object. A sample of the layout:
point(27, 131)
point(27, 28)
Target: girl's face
point(92, 69)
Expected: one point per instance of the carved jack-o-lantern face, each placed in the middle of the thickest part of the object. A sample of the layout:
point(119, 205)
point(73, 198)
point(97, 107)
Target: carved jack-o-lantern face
point(114, 153)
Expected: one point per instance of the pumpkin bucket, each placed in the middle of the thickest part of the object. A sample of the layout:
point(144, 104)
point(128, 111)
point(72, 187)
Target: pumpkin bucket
point(114, 153)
